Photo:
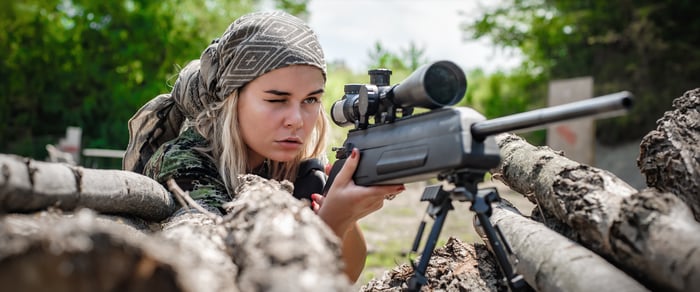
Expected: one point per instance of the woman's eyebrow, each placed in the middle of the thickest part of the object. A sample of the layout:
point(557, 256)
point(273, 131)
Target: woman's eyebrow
point(318, 91)
point(278, 92)
point(284, 93)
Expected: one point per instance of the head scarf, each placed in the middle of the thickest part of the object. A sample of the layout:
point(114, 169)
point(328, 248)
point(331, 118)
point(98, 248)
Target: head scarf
point(253, 44)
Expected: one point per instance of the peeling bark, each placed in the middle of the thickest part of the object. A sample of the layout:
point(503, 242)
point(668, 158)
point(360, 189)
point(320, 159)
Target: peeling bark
point(551, 262)
point(203, 237)
point(28, 185)
point(670, 155)
point(268, 241)
point(454, 267)
point(587, 199)
point(85, 252)
point(657, 230)
point(279, 243)
point(657, 235)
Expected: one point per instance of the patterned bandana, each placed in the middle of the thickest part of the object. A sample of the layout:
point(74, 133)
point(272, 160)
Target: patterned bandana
point(252, 45)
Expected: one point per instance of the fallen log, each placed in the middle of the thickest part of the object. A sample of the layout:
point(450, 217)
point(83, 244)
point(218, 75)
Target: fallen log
point(551, 262)
point(202, 236)
point(279, 243)
point(268, 240)
point(83, 251)
point(28, 185)
point(651, 235)
point(669, 156)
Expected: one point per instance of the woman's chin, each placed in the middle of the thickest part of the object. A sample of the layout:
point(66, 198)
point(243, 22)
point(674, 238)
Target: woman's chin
point(284, 157)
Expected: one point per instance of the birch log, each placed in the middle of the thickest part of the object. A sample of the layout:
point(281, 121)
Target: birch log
point(268, 241)
point(652, 235)
point(82, 251)
point(551, 262)
point(278, 243)
point(669, 156)
point(28, 185)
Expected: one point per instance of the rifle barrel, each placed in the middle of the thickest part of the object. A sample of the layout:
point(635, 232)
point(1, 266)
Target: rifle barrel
point(602, 105)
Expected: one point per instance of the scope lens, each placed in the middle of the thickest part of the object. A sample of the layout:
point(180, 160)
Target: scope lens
point(443, 84)
point(344, 111)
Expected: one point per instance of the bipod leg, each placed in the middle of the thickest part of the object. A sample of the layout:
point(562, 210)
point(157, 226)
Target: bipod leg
point(438, 210)
point(499, 246)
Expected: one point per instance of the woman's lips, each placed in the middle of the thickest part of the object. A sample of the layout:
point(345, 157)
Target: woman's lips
point(291, 144)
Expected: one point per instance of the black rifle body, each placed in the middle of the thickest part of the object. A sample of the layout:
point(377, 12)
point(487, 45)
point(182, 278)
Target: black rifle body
point(426, 145)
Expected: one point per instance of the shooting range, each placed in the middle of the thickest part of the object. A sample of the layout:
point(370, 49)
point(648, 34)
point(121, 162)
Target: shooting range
point(604, 201)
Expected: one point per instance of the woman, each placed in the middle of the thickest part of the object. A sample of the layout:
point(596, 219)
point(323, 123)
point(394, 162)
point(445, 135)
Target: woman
point(252, 104)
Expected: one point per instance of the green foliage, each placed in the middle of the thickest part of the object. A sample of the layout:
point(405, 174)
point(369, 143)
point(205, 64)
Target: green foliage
point(500, 94)
point(647, 47)
point(384, 58)
point(295, 7)
point(92, 64)
point(408, 59)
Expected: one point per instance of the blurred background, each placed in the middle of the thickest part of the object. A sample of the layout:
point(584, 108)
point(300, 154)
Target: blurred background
point(90, 65)
point(74, 71)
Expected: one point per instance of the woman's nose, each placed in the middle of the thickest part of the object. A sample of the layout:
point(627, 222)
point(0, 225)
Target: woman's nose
point(293, 118)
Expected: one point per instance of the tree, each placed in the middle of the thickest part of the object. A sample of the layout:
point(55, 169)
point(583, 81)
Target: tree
point(383, 58)
point(641, 46)
point(93, 64)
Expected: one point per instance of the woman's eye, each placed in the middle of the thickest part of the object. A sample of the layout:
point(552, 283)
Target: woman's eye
point(311, 100)
point(275, 100)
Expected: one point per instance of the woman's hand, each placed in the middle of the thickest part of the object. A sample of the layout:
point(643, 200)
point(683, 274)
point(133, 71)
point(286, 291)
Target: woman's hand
point(347, 202)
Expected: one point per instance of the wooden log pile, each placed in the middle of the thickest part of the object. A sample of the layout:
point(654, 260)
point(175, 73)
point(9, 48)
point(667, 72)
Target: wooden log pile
point(268, 240)
point(67, 228)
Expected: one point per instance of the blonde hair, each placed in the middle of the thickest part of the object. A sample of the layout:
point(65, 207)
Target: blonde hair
point(219, 125)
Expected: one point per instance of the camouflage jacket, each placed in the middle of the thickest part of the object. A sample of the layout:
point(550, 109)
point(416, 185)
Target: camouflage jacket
point(196, 173)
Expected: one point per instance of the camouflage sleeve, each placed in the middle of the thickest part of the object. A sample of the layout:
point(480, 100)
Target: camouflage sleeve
point(193, 171)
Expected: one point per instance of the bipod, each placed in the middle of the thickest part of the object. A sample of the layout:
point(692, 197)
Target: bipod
point(441, 202)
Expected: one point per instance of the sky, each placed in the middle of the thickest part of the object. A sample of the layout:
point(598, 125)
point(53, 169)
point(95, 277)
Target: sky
point(348, 30)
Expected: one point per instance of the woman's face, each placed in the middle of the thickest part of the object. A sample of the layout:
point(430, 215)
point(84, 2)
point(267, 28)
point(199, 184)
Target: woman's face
point(278, 110)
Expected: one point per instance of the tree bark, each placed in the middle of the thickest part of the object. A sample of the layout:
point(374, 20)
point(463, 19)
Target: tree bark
point(268, 240)
point(652, 235)
point(454, 267)
point(670, 155)
point(551, 262)
point(203, 237)
point(28, 185)
point(278, 243)
point(87, 252)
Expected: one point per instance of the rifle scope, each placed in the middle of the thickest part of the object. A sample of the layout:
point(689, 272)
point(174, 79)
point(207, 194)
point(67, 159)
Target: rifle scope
point(431, 86)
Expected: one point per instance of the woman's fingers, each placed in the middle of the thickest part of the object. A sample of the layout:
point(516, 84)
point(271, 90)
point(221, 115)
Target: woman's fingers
point(345, 173)
point(347, 202)
point(316, 202)
point(392, 195)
